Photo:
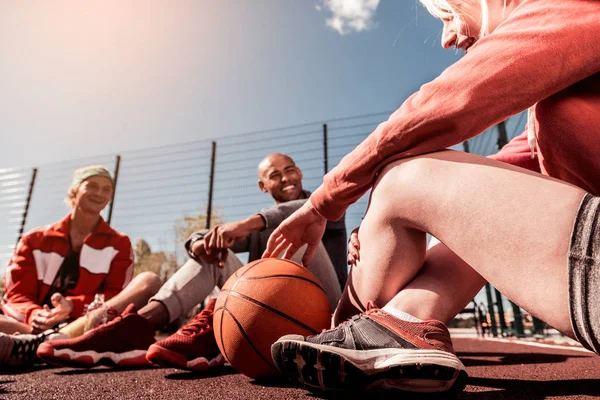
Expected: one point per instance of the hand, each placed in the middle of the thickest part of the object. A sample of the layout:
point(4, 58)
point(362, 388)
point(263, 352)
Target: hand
point(224, 236)
point(305, 226)
point(353, 248)
point(46, 318)
point(216, 257)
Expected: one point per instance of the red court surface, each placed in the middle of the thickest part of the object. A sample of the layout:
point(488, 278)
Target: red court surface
point(498, 370)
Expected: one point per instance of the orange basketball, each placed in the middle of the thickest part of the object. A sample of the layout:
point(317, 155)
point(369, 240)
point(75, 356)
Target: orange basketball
point(261, 302)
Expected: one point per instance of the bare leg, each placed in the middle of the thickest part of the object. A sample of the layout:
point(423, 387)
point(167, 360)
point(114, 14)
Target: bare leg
point(10, 326)
point(460, 283)
point(511, 226)
point(156, 313)
point(138, 292)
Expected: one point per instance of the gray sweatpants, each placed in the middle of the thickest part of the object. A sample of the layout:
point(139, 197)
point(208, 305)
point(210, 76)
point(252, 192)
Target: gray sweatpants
point(584, 274)
point(194, 281)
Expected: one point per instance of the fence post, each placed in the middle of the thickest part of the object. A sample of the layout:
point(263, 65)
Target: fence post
point(115, 179)
point(519, 329)
point(211, 184)
point(325, 154)
point(502, 136)
point(491, 311)
point(538, 326)
point(27, 203)
point(500, 311)
point(466, 146)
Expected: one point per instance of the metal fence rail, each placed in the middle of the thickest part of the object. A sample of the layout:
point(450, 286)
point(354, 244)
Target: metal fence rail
point(158, 187)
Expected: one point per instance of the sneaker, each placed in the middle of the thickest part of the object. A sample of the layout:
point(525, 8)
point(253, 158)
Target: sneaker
point(373, 351)
point(193, 347)
point(20, 349)
point(122, 342)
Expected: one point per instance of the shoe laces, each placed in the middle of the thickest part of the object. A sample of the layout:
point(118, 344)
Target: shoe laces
point(25, 347)
point(199, 323)
point(371, 307)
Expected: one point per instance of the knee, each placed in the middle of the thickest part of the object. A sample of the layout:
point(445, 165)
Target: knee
point(149, 282)
point(403, 188)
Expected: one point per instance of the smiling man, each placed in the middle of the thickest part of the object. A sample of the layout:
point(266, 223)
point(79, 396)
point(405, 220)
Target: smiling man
point(57, 269)
point(212, 261)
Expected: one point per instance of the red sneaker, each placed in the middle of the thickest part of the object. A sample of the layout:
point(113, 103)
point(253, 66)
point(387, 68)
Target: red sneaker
point(193, 347)
point(122, 342)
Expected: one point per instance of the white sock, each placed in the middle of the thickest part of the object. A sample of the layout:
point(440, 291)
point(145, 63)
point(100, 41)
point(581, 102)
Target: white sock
point(401, 314)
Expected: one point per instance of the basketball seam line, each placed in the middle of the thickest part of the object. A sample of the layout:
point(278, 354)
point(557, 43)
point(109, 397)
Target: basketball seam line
point(248, 340)
point(273, 310)
point(225, 306)
point(284, 276)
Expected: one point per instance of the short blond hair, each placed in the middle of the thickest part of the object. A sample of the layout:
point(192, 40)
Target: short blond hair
point(443, 9)
point(80, 175)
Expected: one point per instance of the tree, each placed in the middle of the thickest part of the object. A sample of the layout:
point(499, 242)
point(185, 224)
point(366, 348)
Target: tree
point(161, 263)
point(142, 249)
point(185, 226)
point(165, 264)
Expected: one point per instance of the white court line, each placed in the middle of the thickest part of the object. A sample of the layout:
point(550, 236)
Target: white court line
point(543, 345)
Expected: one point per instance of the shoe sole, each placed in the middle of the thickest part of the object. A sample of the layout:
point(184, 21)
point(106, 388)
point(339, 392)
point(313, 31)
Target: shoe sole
point(90, 358)
point(326, 368)
point(166, 358)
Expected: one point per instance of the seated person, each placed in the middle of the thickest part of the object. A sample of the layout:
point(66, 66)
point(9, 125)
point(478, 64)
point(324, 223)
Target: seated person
point(531, 233)
point(126, 340)
point(57, 269)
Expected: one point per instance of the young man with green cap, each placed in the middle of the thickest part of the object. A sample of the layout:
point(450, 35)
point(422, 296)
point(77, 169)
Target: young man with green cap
point(57, 269)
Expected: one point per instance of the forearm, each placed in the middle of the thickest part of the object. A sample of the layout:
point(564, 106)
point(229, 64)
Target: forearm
point(255, 223)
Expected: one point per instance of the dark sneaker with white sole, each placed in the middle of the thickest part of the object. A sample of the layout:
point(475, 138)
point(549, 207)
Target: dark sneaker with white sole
point(20, 349)
point(373, 351)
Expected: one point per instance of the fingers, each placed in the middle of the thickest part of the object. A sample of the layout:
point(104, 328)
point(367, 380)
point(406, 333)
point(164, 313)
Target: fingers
point(56, 299)
point(223, 258)
point(40, 322)
point(202, 252)
point(309, 253)
point(210, 240)
point(275, 238)
point(199, 248)
point(291, 250)
point(354, 240)
point(353, 248)
point(219, 240)
point(280, 247)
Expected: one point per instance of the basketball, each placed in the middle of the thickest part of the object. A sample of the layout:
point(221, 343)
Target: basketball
point(261, 302)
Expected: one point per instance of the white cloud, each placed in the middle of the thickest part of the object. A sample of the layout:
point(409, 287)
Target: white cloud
point(350, 15)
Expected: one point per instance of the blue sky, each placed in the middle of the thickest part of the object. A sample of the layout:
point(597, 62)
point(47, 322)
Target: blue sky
point(100, 77)
point(91, 79)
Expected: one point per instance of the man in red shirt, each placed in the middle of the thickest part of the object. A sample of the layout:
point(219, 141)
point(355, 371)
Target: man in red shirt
point(57, 269)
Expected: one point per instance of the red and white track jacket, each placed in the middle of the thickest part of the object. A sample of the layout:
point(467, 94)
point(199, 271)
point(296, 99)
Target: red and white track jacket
point(105, 266)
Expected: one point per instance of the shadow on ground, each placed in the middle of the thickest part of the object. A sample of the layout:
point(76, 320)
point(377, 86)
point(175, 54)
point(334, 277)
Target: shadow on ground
point(483, 358)
point(211, 373)
point(98, 370)
point(20, 370)
point(530, 389)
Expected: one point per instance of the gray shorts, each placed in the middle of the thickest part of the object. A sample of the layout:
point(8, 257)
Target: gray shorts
point(584, 274)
